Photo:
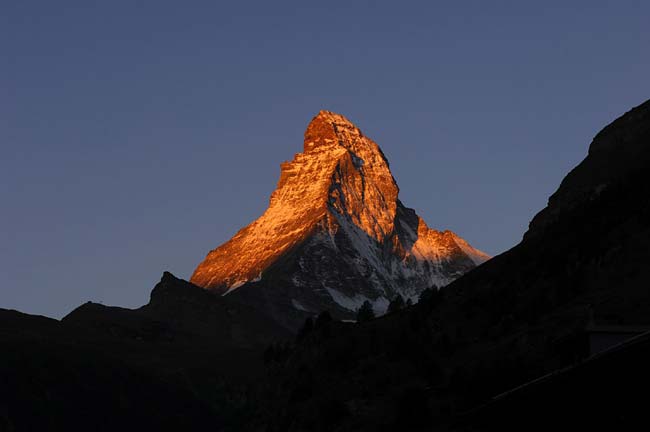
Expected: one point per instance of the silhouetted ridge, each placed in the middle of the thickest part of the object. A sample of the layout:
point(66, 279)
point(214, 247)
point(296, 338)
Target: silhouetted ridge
point(524, 314)
point(616, 153)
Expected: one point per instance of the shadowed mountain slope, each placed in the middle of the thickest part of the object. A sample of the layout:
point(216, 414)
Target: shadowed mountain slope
point(183, 361)
point(515, 318)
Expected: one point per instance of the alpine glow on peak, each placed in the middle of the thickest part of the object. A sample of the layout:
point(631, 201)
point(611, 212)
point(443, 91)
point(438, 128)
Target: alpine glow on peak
point(335, 234)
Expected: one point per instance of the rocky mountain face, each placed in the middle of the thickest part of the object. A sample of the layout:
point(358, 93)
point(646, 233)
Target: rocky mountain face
point(334, 235)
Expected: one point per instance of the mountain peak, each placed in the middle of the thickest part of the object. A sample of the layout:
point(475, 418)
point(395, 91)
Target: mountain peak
point(329, 129)
point(335, 233)
point(332, 117)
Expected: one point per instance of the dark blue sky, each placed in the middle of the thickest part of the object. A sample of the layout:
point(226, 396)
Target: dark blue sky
point(137, 135)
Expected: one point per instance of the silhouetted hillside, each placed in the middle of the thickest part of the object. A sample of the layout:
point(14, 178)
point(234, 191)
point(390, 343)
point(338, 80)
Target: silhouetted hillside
point(185, 361)
point(512, 319)
point(602, 393)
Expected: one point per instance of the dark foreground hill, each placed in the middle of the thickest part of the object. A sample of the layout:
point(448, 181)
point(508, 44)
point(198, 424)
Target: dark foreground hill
point(602, 393)
point(55, 380)
point(517, 317)
point(194, 360)
point(184, 361)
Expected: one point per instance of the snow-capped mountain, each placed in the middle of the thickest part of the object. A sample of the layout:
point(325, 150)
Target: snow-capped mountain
point(334, 235)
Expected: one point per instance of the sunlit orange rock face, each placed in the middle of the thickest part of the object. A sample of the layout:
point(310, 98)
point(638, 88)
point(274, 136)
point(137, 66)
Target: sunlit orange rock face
point(335, 233)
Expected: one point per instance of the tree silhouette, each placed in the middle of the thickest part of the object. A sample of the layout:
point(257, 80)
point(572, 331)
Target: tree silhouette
point(396, 304)
point(306, 328)
point(322, 320)
point(365, 312)
point(430, 297)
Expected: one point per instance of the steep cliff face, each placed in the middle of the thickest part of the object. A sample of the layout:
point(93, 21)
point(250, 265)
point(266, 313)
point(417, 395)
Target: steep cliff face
point(335, 233)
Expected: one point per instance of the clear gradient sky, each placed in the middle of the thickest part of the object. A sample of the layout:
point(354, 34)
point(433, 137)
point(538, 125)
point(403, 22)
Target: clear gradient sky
point(135, 136)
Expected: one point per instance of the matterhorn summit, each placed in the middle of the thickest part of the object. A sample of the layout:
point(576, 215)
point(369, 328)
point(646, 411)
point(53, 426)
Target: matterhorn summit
point(334, 235)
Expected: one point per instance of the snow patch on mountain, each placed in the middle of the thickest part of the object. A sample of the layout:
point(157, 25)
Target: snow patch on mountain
point(296, 304)
point(379, 304)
